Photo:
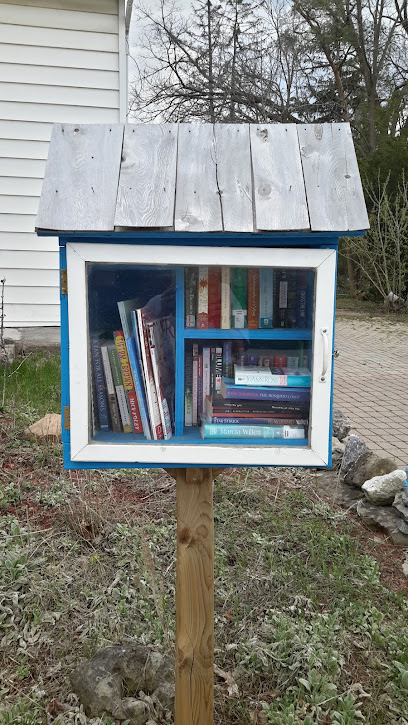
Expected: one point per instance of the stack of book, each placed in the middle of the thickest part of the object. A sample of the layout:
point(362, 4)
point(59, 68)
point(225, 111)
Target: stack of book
point(134, 374)
point(253, 298)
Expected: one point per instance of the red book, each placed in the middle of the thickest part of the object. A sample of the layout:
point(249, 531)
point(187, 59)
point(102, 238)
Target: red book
point(128, 382)
point(214, 296)
point(253, 298)
point(279, 361)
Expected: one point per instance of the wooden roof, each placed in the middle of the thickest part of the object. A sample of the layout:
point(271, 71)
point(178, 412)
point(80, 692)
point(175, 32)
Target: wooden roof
point(202, 178)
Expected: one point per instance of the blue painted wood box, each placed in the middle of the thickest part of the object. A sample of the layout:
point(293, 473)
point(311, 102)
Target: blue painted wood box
point(198, 269)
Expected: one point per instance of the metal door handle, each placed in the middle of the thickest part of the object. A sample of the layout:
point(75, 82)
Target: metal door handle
point(325, 363)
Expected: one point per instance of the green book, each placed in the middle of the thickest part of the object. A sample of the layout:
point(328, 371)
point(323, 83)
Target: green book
point(239, 303)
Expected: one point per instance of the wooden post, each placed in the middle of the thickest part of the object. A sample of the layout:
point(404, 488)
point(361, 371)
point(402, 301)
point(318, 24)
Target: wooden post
point(195, 597)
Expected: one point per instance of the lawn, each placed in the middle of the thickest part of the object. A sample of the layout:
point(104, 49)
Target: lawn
point(310, 609)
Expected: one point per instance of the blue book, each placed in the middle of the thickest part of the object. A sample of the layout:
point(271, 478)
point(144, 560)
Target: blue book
point(214, 430)
point(247, 392)
point(126, 308)
point(265, 298)
point(100, 389)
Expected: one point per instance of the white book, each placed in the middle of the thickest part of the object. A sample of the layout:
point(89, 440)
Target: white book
point(161, 400)
point(151, 392)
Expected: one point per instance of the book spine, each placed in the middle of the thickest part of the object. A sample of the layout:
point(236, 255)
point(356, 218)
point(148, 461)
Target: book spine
point(293, 395)
point(210, 430)
point(152, 402)
point(206, 375)
point(266, 298)
point(225, 298)
point(203, 298)
point(301, 300)
point(227, 365)
point(100, 390)
point(190, 297)
point(292, 295)
point(212, 370)
point(214, 297)
point(161, 399)
point(139, 385)
point(231, 420)
point(188, 389)
point(200, 388)
point(110, 388)
point(245, 377)
point(128, 382)
point(116, 368)
point(195, 383)
point(282, 298)
point(218, 369)
point(239, 303)
point(253, 298)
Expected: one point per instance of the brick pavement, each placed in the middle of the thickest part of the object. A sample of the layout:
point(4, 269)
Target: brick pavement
point(371, 382)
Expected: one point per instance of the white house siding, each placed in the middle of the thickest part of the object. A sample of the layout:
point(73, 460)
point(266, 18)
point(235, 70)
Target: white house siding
point(60, 61)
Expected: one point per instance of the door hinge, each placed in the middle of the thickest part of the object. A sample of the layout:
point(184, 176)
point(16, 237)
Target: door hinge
point(64, 282)
point(67, 417)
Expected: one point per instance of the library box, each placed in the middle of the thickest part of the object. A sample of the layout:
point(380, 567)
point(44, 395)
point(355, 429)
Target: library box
point(198, 274)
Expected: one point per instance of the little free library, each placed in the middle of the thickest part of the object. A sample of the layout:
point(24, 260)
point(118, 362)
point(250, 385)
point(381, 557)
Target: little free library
point(198, 270)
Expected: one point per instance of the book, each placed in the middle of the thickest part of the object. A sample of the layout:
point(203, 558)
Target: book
point(206, 375)
point(126, 308)
point(190, 296)
point(253, 376)
point(110, 389)
point(245, 392)
point(210, 430)
point(142, 315)
point(225, 298)
point(200, 387)
point(188, 388)
point(195, 383)
point(217, 405)
point(218, 369)
point(203, 298)
point(246, 420)
point(214, 297)
point(266, 298)
point(159, 376)
point(253, 298)
point(100, 389)
point(239, 284)
point(281, 298)
point(128, 382)
point(116, 369)
point(227, 364)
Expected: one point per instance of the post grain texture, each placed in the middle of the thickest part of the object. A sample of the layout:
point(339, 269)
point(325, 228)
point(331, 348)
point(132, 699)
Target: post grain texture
point(195, 598)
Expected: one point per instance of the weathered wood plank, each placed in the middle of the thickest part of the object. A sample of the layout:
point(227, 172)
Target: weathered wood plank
point(81, 178)
point(195, 598)
point(279, 191)
point(198, 207)
point(333, 186)
point(233, 157)
point(147, 180)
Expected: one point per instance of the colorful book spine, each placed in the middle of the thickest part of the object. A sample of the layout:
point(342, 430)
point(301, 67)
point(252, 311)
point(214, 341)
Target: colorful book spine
point(282, 298)
point(262, 376)
point(138, 381)
point(200, 387)
point(227, 363)
point(253, 298)
point(225, 298)
point(266, 298)
point(210, 430)
point(110, 389)
point(100, 390)
point(301, 299)
point(190, 298)
point(245, 392)
point(152, 401)
point(128, 382)
point(161, 399)
point(214, 297)
point(231, 420)
point(188, 389)
point(239, 287)
point(116, 369)
point(206, 374)
point(195, 383)
point(202, 298)
point(218, 369)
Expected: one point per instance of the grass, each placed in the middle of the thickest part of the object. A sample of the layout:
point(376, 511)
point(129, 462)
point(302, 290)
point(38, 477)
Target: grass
point(304, 625)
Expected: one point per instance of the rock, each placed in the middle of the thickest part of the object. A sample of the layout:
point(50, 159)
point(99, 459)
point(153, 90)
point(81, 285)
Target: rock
point(46, 429)
point(100, 681)
point(368, 466)
point(381, 490)
point(355, 447)
point(400, 505)
point(385, 518)
point(337, 452)
point(403, 527)
point(341, 425)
